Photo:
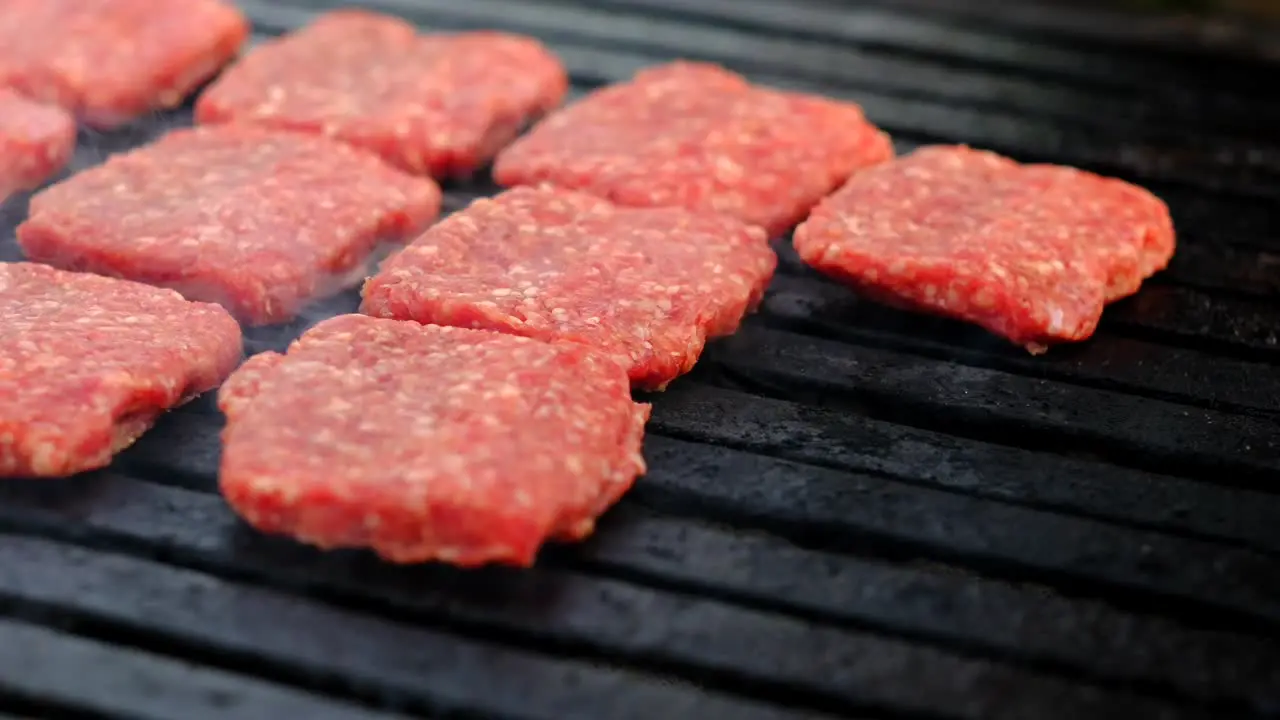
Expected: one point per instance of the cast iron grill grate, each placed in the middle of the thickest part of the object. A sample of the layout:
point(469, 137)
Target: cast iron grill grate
point(956, 530)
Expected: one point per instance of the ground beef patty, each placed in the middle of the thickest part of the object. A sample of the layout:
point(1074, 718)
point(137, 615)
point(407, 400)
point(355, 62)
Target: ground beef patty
point(1029, 252)
point(35, 142)
point(109, 61)
point(87, 363)
point(647, 286)
point(428, 443)
point(440, 104)
point(259, 221)
point(700, 137)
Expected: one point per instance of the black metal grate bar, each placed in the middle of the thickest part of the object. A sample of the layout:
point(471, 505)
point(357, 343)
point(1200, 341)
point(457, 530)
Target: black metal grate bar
point(908, 464)
point(830, 665)
point(1233, 42)
point(975, 401)
point(972, 44)
point(832, 62)
point(1112, 361)
point(910, 118)
point(113, 682)
point(274, 633)
point(1014, 475)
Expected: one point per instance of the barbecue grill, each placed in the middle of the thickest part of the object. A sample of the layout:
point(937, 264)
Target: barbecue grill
point(850, 511)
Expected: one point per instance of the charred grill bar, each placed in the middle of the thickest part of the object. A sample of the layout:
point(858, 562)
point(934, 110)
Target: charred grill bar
point(850, 512)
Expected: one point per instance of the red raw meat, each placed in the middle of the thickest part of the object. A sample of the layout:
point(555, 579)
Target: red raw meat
point(257, 220)
point(1030, 252)
point(87, 363)
point(35, 142)
point(647, 286)
point(440, 104)
point(700, 137)
point(109, 61)
point(428, 443)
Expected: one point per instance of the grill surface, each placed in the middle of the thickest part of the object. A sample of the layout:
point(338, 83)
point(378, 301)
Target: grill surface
point(957, 530)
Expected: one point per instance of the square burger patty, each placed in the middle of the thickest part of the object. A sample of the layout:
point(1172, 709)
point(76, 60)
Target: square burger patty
point(110, 61)
point(88, 362)
point(436, 104)
point(1030, 252)
point(428, 443)
point(647, 286)
point(257, 220)
point(697, 136)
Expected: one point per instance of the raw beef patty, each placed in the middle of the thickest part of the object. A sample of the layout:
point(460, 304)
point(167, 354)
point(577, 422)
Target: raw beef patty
point(88, 362)
point(697, 136)
point(1030, 252)
point(428, 443)
point(259, 221)
point(439, 104)
point(110, 61)
point(646, 286)
point(35, 142)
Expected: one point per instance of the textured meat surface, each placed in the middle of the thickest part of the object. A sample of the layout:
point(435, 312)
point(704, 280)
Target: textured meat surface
point(35, 142)
point(1029, 252)
point(87, 362)
point(259, 221)
point(109, 61)
point(647, 286)
point(428, 443)
point(440, 104)
point(696, 136)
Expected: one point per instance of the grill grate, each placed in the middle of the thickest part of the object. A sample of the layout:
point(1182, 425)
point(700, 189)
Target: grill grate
point(956, 531)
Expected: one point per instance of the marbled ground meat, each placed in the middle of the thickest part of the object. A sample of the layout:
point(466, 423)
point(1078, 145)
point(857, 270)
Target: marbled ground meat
point(647, 286)
point(260, 221)
point(436, 104)
point(428, 443)
point(1030, 252)
point(697, 136)
point(36, 141)
point(88, 362)
point(110, 61)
